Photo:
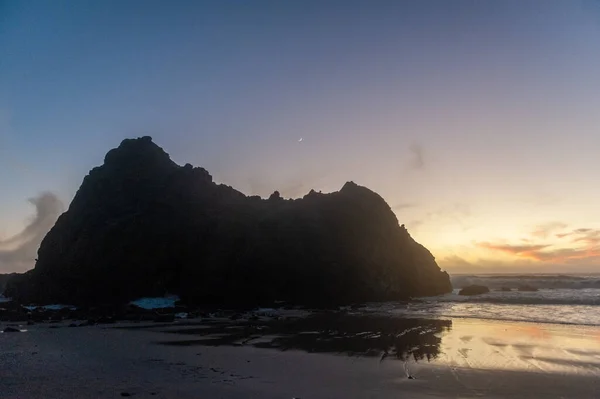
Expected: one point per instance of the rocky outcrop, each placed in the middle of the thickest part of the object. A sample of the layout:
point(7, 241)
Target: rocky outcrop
point(474, 290)
point(140, 225)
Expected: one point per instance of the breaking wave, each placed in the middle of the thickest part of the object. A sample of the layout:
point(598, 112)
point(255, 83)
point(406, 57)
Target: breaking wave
point(541, 281)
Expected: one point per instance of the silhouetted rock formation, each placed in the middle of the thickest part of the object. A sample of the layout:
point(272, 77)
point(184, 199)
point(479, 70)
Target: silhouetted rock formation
point(474, 290)
point(140, 225)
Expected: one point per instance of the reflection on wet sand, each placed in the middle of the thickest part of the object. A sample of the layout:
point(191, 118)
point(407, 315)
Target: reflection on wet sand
point(340, 333)
point(546, 348)
point(459, 344)
point(469, 357)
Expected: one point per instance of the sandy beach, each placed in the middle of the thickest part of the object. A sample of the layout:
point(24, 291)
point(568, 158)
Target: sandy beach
point(472, 358)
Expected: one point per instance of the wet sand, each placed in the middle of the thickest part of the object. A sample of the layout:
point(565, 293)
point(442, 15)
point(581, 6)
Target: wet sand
point(451, 358)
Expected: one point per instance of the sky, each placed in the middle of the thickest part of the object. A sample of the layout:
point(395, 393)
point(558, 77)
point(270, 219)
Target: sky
point(477, 121)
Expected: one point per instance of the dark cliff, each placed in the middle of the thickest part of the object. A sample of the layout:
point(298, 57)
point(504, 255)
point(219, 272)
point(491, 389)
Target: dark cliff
point(141, 225)
point(4, 279)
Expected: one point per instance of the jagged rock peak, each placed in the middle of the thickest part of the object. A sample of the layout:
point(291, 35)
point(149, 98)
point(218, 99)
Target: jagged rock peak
point(140, 152)
point(350, 185)
point(352, 188)
point(275, 196)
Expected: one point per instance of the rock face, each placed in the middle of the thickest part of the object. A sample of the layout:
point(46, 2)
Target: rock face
point(140, 225)
point(4, 279)
point(474, 290)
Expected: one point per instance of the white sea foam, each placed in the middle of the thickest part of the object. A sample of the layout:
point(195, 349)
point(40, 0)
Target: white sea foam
point(156, 303)
point(51, 307)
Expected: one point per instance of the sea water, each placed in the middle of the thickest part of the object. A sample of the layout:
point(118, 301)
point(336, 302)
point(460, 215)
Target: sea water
point(561, 299)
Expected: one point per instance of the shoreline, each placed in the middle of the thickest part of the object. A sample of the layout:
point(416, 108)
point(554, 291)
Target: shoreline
point(473, 358)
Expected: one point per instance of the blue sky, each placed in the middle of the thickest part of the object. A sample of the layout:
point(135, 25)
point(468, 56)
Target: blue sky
point(476, 120)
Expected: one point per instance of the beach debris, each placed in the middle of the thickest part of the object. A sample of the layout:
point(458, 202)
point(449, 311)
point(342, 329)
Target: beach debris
point(50, 307)
point(164, 318)
point(407, 371)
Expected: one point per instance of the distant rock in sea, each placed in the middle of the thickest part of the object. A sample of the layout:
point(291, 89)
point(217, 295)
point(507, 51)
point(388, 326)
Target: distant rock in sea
point(142, 226)
point(474, 290)
point(527, 288)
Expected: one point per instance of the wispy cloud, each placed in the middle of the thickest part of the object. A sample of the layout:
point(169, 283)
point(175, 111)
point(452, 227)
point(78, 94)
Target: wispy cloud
point(18, 253)
point(578, 245)
point(513, 249)
point(417, 160)
point(544, 230)
point(524, 250)
point(457, 264)
point(588, 236)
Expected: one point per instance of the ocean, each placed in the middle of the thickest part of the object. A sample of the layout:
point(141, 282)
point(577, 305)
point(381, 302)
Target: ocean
point(560, 299)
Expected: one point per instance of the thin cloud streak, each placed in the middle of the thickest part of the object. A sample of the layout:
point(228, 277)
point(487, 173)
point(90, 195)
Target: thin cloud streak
point(418, 158)
point(544, 230)
point(18, 253)
point(578, 246)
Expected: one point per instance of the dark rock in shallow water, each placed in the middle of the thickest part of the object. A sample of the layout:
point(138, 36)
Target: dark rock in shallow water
point(505, 289)
point(104, 320)
point(140, 225)
point(527, 288)
point(11, 329)
point(474, 290)
point(164, 318)
point(13, 316)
